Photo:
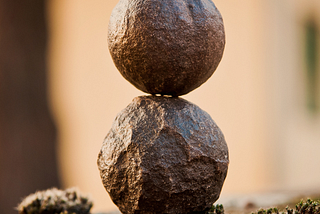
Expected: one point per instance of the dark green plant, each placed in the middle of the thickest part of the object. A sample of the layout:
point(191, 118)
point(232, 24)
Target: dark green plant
point(217, 209)
point(308, 207)
point(54, 201)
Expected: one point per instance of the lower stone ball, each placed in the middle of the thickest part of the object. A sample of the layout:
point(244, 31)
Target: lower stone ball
point(163, 155)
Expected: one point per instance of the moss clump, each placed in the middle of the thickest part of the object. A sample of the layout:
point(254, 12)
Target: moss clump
point(308, 207)
point(54, 201)
point(267, 211)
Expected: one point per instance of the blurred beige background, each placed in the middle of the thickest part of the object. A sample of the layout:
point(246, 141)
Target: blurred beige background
point(257, 96)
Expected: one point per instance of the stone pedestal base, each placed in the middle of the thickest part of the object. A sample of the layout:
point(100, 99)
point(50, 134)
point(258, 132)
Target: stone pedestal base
point(163, 155)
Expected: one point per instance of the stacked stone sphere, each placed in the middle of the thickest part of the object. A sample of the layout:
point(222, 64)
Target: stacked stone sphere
point(164, 154)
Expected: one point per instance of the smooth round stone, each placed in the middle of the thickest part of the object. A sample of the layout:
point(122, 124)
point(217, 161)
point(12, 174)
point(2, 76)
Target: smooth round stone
point(163, 155)
point(166, 47)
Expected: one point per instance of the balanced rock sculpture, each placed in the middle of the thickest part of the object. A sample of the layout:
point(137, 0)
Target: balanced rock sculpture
point(164, 154)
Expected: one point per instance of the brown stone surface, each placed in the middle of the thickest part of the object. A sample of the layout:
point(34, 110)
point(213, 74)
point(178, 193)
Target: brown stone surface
point(163, 155)
point(166, 47)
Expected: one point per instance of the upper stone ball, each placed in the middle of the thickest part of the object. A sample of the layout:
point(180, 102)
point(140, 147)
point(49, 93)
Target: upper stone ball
point(167, 47)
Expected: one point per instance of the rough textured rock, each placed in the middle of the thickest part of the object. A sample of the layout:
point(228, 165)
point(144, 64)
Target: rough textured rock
point(163, 155)
point(166, 47)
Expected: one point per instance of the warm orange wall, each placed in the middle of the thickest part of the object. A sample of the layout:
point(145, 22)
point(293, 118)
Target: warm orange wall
point(87, 91)
point(295, 129)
